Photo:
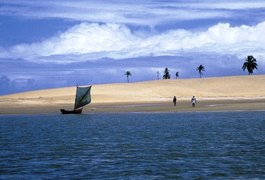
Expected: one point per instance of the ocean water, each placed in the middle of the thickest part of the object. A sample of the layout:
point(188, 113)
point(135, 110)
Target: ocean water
point(216, 145)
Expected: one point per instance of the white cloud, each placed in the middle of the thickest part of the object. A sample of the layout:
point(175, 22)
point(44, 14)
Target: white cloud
point(148, 13)
point(94, 41)
point(221, 4)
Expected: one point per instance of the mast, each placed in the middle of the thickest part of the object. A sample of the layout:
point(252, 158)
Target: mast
point(75, 95)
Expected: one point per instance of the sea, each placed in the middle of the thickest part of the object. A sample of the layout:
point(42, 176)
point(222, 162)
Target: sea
point(198, 145)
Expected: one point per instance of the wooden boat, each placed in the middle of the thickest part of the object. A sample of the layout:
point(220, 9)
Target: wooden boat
point(82, 98)
point(74, 111)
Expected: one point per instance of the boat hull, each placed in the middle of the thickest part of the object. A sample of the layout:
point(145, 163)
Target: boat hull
point(75, 111)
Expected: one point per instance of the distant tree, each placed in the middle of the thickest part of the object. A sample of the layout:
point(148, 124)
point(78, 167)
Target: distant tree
point(166, 74)
point(177, 75)
point(128, 73)
point(200, 68)
point(157, 73)
point(250, 64)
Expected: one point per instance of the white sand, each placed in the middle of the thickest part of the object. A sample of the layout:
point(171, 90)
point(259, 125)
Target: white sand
point(159, 91)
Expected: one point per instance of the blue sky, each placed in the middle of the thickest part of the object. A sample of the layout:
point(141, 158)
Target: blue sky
point(46, 44)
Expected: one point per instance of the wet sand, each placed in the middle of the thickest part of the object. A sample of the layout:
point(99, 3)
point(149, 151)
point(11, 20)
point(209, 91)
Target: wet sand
point(183, 106)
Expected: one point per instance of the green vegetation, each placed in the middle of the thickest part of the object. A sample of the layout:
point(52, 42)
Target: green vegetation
point(250, 64)
point(200, 69)
point(177, 75)
point(166, 74)
point(128, 73)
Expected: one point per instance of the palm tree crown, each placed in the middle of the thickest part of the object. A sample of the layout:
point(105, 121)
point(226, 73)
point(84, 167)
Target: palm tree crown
point(166, 74)
point(177, 75)
point(128, 73)
point(250, 64)
point(200, 69)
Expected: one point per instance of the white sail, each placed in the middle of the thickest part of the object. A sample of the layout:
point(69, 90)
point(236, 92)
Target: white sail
point(83, 96)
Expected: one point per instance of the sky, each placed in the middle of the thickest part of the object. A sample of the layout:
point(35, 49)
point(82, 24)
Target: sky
point(59, 43)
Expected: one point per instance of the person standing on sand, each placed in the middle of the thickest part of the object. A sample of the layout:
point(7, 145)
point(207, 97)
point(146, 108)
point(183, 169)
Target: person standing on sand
point(193, 101)
point(174, 100)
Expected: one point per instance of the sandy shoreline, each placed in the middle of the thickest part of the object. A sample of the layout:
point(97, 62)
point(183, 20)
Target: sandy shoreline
point(239, 93)
point(183, 106)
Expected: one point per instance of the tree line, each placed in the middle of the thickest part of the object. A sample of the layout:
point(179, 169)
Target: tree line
point(250, 65)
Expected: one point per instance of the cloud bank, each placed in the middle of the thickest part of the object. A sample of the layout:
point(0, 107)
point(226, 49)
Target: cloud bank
point(141, 13)
point(93, 41)
point(125, 12)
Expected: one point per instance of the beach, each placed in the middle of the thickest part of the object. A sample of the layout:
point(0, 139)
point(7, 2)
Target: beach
point(233, 93)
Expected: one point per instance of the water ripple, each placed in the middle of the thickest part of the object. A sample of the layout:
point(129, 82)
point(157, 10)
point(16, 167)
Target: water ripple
point(133, 146)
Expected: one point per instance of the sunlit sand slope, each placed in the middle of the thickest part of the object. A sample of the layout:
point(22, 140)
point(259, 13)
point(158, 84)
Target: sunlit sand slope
point(238, 87)
point(213, 94)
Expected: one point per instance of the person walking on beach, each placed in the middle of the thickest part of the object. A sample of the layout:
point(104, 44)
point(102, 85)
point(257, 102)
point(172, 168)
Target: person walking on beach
point(174, 100)
point(193, 101)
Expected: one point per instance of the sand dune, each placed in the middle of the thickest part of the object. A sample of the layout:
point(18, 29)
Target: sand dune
point(221, 88)
point(149, 91)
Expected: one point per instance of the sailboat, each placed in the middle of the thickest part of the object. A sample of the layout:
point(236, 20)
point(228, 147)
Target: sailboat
point(82, 98)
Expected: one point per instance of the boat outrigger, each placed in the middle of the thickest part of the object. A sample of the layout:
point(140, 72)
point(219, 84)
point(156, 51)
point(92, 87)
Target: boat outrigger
point(82, 98)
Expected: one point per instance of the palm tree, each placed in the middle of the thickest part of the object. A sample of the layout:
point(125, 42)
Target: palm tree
point(177, 75)
point(250, 64)
point(166, 74)
point(128, 73)
point(200, 69)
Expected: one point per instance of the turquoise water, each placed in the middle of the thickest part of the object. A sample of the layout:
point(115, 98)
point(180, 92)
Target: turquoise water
point(133, 146)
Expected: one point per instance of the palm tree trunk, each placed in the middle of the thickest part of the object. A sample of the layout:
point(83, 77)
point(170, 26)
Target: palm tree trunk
point(127, 79)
